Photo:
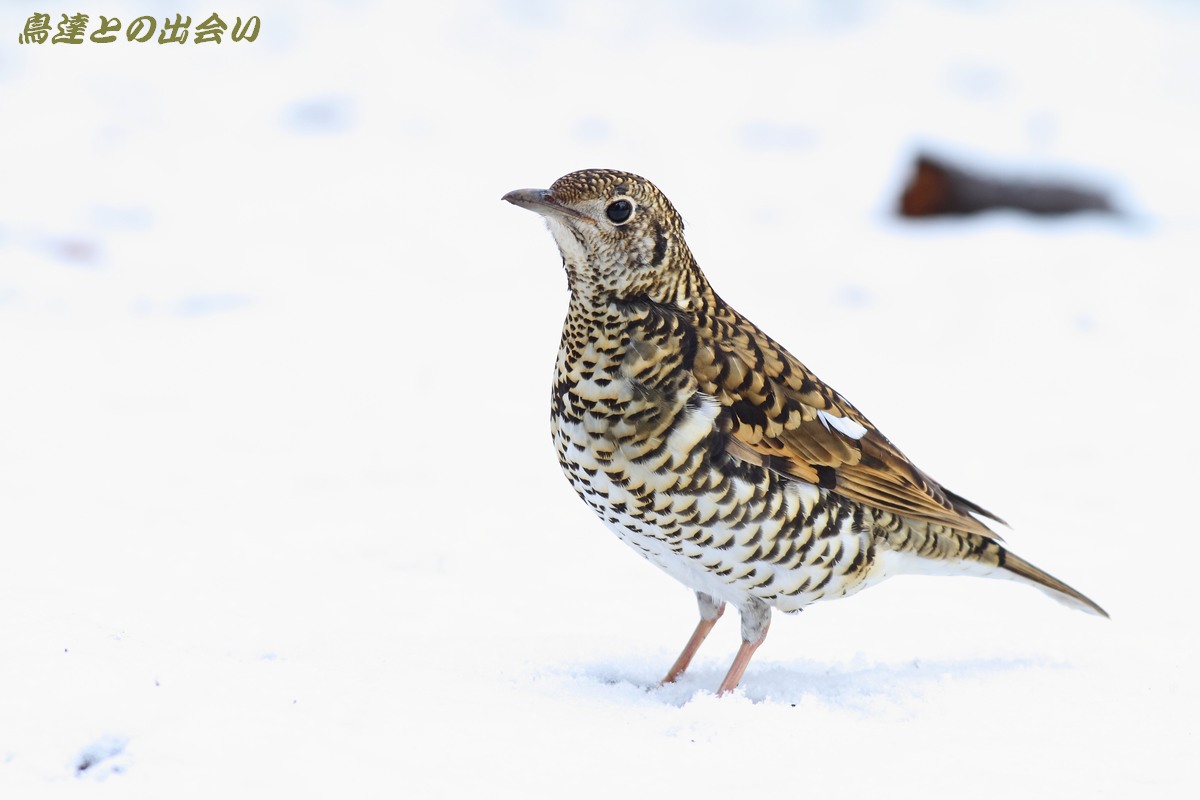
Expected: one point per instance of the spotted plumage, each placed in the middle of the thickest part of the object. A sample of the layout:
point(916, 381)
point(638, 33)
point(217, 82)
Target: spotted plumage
point(711, 450)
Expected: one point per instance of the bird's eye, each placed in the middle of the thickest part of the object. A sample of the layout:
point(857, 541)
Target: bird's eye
point(619, 211)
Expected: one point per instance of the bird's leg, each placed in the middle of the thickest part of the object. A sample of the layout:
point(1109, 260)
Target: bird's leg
point(756, 618)
point(711, 610)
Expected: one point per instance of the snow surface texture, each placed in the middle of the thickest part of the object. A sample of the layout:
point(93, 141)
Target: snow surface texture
point(278, 508)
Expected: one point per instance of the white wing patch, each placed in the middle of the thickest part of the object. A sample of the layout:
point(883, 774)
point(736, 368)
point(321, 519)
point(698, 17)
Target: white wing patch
point(842, 425)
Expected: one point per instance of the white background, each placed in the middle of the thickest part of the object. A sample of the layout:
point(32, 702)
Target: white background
point(278, 511)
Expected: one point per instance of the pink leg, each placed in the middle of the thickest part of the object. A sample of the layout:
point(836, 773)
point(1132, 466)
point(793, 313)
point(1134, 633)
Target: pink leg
point(710, 611)
point(756, 619)
point(740, 662)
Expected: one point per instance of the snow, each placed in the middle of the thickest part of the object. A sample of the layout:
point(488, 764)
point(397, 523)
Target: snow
point(279, 511)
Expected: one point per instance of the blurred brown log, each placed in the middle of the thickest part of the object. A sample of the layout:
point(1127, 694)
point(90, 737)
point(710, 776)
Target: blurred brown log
point(938, 188)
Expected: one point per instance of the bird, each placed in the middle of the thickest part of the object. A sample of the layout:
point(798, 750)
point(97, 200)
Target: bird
point(715, 453)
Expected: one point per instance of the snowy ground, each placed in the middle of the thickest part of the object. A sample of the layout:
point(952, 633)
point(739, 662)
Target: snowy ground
point(278, 510)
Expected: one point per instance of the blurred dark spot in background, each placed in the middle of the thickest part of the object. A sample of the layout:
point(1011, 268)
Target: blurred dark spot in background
point(939, 188)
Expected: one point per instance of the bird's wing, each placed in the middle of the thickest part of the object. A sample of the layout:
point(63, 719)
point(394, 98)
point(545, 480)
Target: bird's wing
point(786, 418)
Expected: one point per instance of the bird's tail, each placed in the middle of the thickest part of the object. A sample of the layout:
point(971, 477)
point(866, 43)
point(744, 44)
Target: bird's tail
point(1021, 570)
point(938, 550)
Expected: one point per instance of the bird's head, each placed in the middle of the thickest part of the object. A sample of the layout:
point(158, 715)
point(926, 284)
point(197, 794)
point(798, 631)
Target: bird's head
point(619, 236)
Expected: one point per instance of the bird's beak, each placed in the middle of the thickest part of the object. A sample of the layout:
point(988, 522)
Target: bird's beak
point(543, 202)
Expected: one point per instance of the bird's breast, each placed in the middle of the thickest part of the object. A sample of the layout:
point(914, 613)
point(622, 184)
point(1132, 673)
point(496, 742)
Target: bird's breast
point(624, 416)
point(647, 451)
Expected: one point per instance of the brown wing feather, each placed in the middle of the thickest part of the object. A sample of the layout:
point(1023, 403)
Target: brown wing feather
point(772, 401)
